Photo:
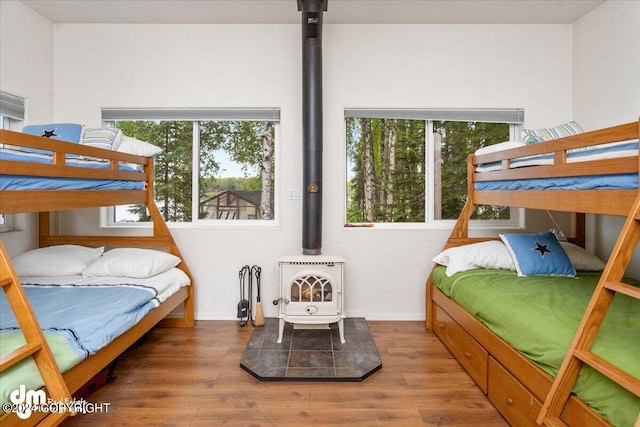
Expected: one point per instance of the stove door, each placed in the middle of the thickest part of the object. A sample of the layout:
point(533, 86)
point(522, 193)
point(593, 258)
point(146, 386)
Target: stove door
point(312, 293)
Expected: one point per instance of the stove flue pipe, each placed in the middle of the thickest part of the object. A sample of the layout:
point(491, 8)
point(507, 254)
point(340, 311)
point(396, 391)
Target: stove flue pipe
point(312, 124)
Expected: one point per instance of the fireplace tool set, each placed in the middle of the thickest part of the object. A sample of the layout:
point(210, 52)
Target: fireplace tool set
point(245, 311)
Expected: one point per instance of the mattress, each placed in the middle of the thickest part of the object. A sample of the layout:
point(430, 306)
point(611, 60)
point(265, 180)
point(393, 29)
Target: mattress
point(592, 182)
point(80, 316)
point(539, 316)
point(22, 182)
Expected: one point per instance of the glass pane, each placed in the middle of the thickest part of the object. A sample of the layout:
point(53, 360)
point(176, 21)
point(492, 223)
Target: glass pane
point(172, 167)
point(295, 292)
point(306, 293)
point(385, 170)
point(454, 141)
point(328, 294)
point(237, 170)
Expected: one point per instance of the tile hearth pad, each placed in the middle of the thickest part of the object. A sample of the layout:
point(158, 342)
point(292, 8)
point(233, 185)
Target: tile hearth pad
point(312, 354)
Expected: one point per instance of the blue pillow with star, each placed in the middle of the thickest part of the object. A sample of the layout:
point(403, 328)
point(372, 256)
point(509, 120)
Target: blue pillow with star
point(69, 132)
point(538, 254)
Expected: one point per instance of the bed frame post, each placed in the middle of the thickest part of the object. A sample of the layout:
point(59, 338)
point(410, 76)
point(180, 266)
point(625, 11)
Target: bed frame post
point(459, 235)
point(44, 227)
point(160, 230)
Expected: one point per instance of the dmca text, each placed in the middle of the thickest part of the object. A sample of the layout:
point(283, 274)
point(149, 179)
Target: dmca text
point(26, 402)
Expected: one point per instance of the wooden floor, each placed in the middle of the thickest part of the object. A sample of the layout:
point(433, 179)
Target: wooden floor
point(192, 377)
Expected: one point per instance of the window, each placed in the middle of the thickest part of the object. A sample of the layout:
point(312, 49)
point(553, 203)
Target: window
point(217, 168)
point(6, 223)
point(410, 166)
point(11, 111)
point(11, 108)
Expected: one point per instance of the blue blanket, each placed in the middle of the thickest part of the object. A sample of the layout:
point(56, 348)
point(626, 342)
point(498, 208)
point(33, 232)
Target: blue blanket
point(89, 317)
point(18, 182)
point(592, 182)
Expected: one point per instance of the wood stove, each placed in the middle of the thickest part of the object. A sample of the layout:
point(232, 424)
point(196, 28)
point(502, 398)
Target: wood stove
point(311, 292)
point(311, 284)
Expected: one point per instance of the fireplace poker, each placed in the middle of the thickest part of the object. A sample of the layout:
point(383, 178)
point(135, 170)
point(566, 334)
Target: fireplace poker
point(244, 308)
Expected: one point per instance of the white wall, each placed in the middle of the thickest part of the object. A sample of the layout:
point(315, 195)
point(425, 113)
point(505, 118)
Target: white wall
point(364, 66)
point(26, 70)
point(606, 56)
point(606, 82)
point(463, 66)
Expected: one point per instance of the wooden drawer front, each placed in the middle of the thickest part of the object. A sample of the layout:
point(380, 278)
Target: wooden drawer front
point(514, 402)
point(471, 355)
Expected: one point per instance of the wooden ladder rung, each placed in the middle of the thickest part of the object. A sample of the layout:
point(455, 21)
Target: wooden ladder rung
point(623, 288)
point(5, 281)
point(18, 355)
point(609, 370)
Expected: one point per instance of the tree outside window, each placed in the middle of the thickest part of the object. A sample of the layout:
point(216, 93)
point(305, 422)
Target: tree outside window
point(388, 162)
point(235, 172)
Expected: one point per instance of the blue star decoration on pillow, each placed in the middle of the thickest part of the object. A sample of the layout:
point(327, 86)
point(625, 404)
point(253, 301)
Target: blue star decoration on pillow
point(543, 249)
point(49, 133)
point(538, 254)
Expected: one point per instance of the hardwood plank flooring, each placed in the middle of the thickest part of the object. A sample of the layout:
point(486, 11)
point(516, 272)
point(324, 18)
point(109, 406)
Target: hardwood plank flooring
point(192, 377)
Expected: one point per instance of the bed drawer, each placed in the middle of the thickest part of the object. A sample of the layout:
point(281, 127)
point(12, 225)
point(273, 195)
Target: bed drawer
point(514, 402)
point(471, 355)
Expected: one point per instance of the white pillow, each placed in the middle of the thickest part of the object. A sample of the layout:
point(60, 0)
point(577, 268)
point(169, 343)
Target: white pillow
point(63, 260)
point(581, 259)
point(489, 254)
point(499, 147)
point(131, 262)
point(137, 147)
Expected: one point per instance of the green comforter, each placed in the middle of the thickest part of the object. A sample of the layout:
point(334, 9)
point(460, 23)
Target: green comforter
point(539, 316)
point(26, 372)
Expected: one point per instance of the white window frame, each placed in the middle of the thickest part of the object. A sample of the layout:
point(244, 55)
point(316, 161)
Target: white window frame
point(6, 223)
point(12, 112)
point(197, 115)
point(515, 118)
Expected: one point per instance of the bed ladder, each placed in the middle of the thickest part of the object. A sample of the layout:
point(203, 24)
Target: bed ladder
point(36, 345)
point(580, 350)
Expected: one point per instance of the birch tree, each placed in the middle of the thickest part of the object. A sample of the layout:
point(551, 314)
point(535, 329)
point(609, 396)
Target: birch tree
point(368, 170)
point(266, 210)
point(390, 169)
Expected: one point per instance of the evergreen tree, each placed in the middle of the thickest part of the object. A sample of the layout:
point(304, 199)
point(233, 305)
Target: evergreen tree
point(386, 180)
point(249, 143)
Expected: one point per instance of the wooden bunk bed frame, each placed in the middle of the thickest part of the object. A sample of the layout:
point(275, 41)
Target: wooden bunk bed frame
point(522, 392)
point(62, 386)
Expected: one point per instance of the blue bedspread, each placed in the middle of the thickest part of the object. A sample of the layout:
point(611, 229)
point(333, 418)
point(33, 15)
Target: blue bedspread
point(593, 182)
point(77, 322)
point(18, 182)
point(89, 316)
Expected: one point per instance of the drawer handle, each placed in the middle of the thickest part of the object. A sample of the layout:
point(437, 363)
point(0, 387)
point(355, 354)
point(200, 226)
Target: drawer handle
point(441, 325)
point(509, 401)
point(467, 355)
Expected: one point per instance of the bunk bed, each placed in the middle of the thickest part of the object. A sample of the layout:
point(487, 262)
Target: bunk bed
point(526, 388)
point(69, 176)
